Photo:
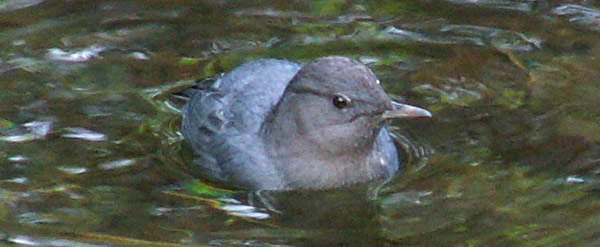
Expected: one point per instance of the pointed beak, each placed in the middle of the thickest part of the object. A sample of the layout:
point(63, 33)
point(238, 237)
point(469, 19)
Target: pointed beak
point(405, 111)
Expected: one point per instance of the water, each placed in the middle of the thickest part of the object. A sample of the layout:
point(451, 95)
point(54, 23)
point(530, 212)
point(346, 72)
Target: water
point(90, 153)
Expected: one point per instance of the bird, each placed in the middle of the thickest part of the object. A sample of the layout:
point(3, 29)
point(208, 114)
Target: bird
point(273, 124)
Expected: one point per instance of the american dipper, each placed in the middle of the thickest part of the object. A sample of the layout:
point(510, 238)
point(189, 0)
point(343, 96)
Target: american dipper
point(277, 125)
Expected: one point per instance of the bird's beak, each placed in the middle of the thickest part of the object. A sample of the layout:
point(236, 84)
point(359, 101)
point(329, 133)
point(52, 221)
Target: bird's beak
point(405, 111)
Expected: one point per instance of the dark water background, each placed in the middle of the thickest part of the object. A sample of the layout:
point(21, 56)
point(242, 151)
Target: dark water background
point(90, 153)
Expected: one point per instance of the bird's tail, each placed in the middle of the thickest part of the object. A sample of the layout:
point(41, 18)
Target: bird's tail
point(201, 85)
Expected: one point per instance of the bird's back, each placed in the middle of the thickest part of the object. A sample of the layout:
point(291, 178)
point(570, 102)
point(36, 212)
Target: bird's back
point(221, 122)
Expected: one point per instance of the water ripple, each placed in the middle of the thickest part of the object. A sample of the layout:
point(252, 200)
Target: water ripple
point(581, 15)
point(84, 134)
point(76, 56)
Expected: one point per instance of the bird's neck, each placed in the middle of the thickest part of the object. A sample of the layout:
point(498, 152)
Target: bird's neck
point(288, 131)
point(308, 163)
point(311, 166)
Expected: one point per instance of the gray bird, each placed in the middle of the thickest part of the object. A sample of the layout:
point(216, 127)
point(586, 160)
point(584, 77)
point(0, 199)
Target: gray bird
point(277, 125)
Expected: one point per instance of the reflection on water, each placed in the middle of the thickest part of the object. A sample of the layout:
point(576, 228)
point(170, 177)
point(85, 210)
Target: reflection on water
point(90, 153)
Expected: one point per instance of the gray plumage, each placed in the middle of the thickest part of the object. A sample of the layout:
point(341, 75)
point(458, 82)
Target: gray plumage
point(272, 124)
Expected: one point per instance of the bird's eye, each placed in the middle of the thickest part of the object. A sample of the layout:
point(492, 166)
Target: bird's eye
point(341, 101)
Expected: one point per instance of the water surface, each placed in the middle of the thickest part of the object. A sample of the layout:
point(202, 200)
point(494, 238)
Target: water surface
point(90, 153)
